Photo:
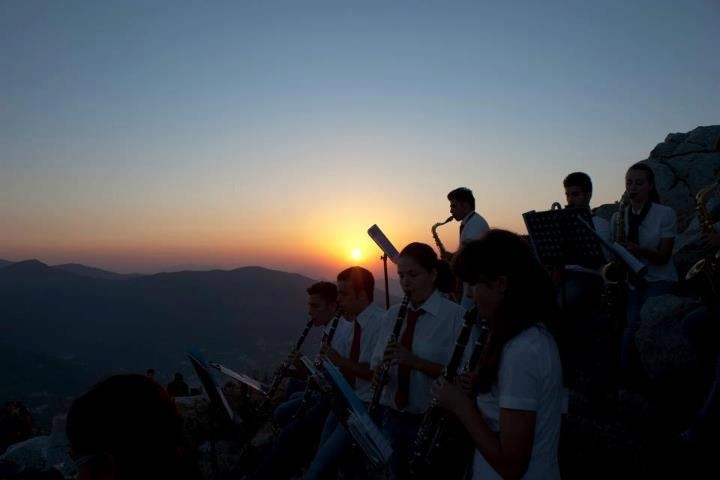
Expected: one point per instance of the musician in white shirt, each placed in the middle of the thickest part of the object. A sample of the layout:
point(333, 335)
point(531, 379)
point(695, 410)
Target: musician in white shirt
point(355, 296)
point(424, 347)
point(515, 420)
point(472, 226)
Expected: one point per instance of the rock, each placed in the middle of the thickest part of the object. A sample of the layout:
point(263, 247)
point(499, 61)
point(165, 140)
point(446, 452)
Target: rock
point(661, 342)
point(683, 164)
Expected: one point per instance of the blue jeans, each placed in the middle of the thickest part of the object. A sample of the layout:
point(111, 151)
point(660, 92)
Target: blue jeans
point(294, 445)
point(401, 429)
point(335, 444)
point(284, 412)
point(629, 362)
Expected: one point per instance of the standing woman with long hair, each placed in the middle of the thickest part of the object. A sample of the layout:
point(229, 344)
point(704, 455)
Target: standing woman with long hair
point(650, 230)
point(424, 346)
point(515, 419)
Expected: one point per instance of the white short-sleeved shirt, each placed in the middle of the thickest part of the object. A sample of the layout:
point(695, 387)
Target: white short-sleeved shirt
point(473, 227)
point(371, 321)
point(659, 223)
point(433, 340)
point(529, 378)
point(342, 339)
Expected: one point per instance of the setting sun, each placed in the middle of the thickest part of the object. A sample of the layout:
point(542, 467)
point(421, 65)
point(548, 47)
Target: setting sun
point(356, 254)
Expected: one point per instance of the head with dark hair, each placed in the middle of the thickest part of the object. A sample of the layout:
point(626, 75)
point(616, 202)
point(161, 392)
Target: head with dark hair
point(640, 184)
point(327, 290)
point(356, 289)
point(128, 427)
point(511, 289)
point(322, 302)
point(462, 202)
point(421, 272)
point(578, 189)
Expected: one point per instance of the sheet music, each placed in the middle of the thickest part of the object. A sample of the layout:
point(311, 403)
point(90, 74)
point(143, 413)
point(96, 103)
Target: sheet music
point(359, 424)
point(619, 251)
point(241, 377)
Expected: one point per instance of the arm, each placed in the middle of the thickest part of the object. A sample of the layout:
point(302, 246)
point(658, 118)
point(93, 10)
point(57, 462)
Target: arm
point(659, 255)
point(508, 451)
point(347, 366)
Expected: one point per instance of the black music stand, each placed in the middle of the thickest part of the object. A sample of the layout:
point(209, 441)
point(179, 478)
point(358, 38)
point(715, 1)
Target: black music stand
point(219, 407)
point(389, 251)
point(212, 388)
point(563, 237)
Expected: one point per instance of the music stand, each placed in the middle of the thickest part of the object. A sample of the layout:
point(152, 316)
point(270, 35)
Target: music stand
point(389, 251)
point(558, 237)
point(218, 402)
point(212, 388)
point(564, 237)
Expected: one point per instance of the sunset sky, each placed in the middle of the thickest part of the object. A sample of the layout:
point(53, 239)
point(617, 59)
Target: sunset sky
point(144, 136)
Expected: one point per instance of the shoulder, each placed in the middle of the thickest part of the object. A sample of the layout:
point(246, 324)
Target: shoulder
point(478, 220)
point(530, 342)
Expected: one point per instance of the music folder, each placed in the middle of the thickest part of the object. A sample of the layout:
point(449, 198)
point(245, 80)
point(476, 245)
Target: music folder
point(356, 419)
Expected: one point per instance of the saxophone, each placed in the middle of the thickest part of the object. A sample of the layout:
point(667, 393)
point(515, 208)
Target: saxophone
point(380, 376)
point(438, 242)
point(437, 451)
point(614, 272)
point(707, 266)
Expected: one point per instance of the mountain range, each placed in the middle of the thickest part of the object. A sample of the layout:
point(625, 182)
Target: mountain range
point(64, 326)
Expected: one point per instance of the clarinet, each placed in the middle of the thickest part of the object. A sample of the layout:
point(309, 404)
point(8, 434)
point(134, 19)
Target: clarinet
point(326, 340)
point(380, 376)
point(282, 370)
point(433, 443)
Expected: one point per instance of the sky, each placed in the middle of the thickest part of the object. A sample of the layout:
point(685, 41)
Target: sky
point(148, 136)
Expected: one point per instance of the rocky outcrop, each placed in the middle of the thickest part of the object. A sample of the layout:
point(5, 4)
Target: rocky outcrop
point(663, 346)
point(683, 164)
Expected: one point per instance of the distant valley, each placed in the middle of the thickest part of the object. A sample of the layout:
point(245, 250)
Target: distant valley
point(63, 327)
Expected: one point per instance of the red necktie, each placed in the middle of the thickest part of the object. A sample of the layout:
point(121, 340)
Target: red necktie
point(355, 350)
point(403, 389)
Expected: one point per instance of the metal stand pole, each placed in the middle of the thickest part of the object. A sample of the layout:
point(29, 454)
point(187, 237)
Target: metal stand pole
point(387, 289)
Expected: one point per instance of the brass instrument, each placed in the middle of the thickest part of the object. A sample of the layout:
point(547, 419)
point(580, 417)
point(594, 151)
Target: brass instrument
point(438, 242)
point(614, 272)
point(380, 376)
point(705, 267)
point(437, 452)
